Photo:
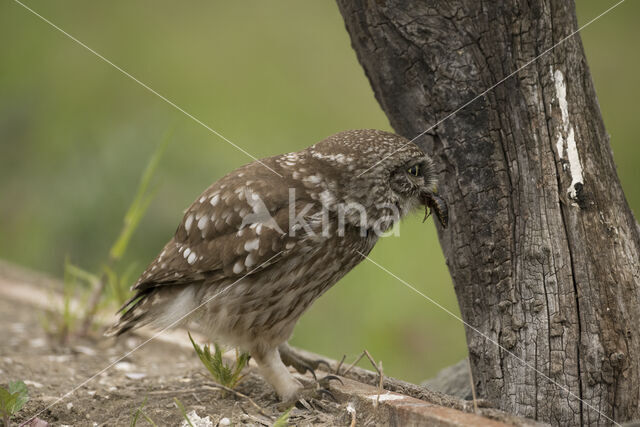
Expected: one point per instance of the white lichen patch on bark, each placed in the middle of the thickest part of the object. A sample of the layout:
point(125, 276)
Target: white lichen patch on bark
point(566, 137)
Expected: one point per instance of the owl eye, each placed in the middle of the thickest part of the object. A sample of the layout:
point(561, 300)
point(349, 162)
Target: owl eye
point(414, 170)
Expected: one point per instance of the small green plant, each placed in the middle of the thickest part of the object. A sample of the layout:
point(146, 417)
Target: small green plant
point(228, 375)
point(62, 323)
point(12, 399)
point(106, 286)
point(108, 278)
point(182, 410)
point(283, 420)
point(140, 412)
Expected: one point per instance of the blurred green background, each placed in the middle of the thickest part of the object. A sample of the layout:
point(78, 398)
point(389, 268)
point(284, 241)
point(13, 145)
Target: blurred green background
point(273, 77)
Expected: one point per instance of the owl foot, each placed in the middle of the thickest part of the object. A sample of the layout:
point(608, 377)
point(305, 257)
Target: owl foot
point(300, 363)
point(315, 390)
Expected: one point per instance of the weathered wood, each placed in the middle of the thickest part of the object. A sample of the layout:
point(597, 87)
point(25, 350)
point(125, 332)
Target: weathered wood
point(542, 247)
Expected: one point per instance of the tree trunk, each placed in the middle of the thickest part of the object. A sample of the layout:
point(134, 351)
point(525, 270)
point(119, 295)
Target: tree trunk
point(542, 246)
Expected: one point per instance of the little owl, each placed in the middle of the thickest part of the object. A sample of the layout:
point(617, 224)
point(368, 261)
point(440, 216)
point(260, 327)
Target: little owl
point(262, 243)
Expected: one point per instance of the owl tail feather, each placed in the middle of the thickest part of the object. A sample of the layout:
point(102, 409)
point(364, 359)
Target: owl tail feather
point(159, 307)
point(132, 314)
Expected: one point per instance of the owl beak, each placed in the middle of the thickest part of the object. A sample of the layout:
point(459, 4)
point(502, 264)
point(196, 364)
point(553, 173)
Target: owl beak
point(434, 203)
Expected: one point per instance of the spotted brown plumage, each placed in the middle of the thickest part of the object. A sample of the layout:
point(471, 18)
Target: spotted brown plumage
point(257, 248)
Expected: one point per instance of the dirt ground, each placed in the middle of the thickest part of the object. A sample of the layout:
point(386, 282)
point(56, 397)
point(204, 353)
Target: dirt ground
point(158, 372)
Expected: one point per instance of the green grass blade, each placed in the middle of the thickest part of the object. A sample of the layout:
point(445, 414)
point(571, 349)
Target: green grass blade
point(140, 202)
point(82, 274)
point(182, 410)
point(137, 413)
point(149, 420)
point(283, 420)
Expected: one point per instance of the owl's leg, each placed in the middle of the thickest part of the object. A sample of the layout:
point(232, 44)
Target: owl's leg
point(277, 374)
point(300, 362)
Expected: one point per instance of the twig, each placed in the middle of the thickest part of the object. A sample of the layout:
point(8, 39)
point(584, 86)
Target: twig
point(381, 375)
point(377, 367)
point(337, 372)
point(163, 392)
point(237, 394)
point(215, 387)
point(256, 419)
point(380, 389)
point(354, 363)
point(265, 421)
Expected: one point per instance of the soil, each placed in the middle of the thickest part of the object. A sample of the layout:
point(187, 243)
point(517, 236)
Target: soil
point(157, 372)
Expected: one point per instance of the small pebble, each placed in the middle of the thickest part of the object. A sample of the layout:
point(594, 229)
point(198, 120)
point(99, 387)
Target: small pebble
point(135, 375)
point(85, 350)
point(18, 327)
point(196, 421)
point(124, 366)
point(33, 384)
point(38, 342)
point(225, 421)
point(63, 358)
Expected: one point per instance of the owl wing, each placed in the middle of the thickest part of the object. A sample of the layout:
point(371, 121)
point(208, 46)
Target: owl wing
point(237, 227)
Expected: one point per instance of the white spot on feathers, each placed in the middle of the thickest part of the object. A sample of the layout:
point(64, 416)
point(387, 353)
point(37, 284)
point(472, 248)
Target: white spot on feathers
point(238, 267)
point(250, 261)
point(313, 179)
point(186, 252)
point(252, 245)
point(192, 258)
point(215, 199)
point(188, 222)
point(202, 223)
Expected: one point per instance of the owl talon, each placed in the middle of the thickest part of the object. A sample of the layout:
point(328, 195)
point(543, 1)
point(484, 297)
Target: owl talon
point(300, 363)
point(328, 393)
point(323, 362)
point(326, 381)
point(315, 390)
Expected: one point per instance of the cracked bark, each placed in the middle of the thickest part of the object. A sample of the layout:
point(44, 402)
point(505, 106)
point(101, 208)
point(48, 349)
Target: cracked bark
point(544, 265)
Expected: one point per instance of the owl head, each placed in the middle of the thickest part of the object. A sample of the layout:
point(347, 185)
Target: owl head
point(385, 173)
